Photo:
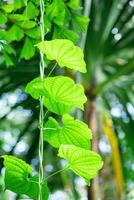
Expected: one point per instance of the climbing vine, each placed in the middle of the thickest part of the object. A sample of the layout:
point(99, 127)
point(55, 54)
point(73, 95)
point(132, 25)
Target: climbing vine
point(59, 94)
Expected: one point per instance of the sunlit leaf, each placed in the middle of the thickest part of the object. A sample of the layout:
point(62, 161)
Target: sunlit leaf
point(35, 88)
point(8, 8)
point(65, 53)
point(17, 178)
point(61, 94)
point(71, 132)
point(84, 163)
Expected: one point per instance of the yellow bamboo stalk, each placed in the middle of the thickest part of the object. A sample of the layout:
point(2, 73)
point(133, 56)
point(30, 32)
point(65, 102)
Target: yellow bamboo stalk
point(116, 159)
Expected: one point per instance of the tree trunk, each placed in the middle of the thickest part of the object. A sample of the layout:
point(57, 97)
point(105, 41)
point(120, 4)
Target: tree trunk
point(92, 123)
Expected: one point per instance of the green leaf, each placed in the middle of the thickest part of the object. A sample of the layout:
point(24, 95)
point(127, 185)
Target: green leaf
point(84, 163)
point(8, 8)
point(17, 17)
point(14, 33)
point(17, 178)
point(74, 4)
point(71, 132)
point(2, 34)
point(56, 12)
point(61, 94)
point(35, 88)
point(79, 22)
point(34, 33)
point(34, 188)
point(3, 18)
point(26, 24)
point(65, 53)
point(65, 34)
point(8, 60)
point(28, 49)
point(31, 12)
point(47, 24)
point(19, 4)
point(9, 49)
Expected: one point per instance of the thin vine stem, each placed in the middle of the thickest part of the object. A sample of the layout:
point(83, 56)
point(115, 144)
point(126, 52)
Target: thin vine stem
point(57, 172)
point(52, 70)
point(41, 114)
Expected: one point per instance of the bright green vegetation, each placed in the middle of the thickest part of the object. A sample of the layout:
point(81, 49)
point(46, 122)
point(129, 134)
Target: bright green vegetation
point(59, 95)
point(73, 139)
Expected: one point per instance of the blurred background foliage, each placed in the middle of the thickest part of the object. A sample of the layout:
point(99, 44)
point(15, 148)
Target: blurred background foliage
point(108, 45)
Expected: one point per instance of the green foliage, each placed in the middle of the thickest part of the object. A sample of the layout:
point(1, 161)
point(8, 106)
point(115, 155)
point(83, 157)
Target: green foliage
point(28, 13)
point(8, 8)
point(33, 33)
point(35, 88)
point(28, 49)
point(3, 18)
point(79, 22)
point(74, 4)
point(21, 21)
point(26, 25)
point(71, 132)
point(65, 34)
point(65, 53)
point(8, 60)
point(17, 17)
point(83, 162)
point(58, 94)
point(18, 180)
point(61, 94)
point(55, 12)
point(14, 34)
point(109, 64)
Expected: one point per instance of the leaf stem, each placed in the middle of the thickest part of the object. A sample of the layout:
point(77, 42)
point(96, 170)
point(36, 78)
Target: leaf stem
point(50, 129)
point(52, 70)
point(57, 172)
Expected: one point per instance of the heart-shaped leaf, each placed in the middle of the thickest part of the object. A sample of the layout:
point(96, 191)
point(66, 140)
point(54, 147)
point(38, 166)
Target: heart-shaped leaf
point(72, 132)
point(84, 163)
point(17, 178)
point(35, 88)
point(65, 53)
point(61, 93)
